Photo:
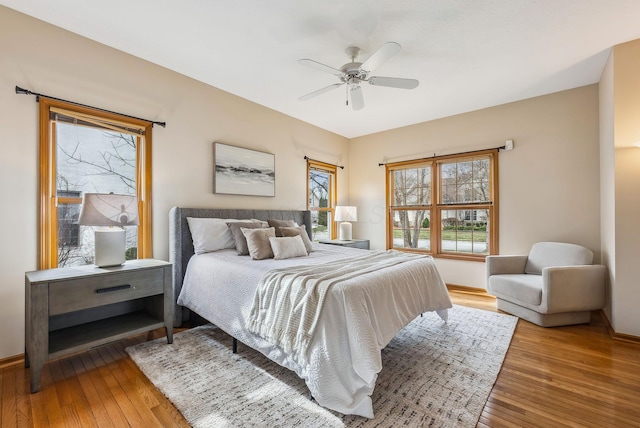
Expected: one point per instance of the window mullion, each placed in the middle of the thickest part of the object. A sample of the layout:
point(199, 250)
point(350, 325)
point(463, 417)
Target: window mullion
point(436, 197)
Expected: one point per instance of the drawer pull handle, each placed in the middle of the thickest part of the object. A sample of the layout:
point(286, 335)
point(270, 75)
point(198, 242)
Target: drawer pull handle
point(110, 289)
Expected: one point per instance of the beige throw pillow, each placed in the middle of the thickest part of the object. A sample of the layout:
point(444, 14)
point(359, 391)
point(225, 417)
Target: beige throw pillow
point(287, 247)
point(300, 231)
point(258, 242)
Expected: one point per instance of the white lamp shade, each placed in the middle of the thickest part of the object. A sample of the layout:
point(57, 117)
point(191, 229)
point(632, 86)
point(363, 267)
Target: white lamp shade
point(346, 213)
point(102, 209)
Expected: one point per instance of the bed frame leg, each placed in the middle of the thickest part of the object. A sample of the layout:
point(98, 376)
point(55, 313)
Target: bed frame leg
point(235, 345)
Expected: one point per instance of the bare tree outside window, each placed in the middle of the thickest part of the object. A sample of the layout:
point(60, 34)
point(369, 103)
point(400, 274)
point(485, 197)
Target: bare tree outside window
point(90, 160)
point(412, 189)
point(321, 191)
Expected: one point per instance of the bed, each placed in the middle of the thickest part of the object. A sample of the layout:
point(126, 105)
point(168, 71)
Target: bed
point(360, 312)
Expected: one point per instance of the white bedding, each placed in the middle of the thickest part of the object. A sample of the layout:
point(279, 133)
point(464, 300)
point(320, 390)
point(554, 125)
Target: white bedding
point(360, 316)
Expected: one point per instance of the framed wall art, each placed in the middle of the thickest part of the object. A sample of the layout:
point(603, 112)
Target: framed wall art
point(240, 171)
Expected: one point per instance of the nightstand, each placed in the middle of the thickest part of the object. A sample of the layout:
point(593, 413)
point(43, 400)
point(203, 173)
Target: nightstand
point(354, 243)
point(76, 308)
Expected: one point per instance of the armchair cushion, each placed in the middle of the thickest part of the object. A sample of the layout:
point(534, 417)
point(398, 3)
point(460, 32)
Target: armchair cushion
point(549, 254)
point(518, 288)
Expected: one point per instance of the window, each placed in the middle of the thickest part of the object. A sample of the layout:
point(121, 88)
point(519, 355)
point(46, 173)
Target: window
point(85, 150)
point(321, 199)
point(445, 206)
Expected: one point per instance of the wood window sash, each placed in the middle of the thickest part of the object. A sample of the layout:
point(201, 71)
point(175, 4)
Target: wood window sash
point(333, 189)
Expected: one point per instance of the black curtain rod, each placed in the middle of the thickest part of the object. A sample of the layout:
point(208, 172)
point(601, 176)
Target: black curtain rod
point(308, 158)
point(23, 91)
point(451, 154)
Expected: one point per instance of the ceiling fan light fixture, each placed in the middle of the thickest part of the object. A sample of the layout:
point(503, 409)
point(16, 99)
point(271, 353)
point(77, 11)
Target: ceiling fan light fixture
point(354, 72)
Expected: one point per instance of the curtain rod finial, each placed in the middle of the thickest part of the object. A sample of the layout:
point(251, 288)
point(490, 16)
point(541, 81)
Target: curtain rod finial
point(20, 90)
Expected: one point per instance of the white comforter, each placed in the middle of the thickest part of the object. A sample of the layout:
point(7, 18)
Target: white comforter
point(360, 316)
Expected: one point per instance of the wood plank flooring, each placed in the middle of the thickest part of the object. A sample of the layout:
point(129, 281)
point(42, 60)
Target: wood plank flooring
point(560, 377)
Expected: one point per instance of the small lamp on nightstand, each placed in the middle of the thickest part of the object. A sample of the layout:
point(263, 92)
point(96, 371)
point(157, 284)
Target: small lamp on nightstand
point(346, 214)
point(114, 211)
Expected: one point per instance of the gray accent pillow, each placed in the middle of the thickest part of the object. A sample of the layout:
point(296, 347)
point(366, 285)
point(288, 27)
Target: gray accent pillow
point(300, 231)
point(281, 223)
point(238, 236)
point(258, 242)
point(287, 247)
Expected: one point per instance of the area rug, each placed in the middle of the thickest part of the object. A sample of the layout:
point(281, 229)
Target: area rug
point(435, 374)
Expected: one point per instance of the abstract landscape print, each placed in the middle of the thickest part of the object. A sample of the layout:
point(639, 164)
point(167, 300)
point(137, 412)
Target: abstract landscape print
point(240, 171)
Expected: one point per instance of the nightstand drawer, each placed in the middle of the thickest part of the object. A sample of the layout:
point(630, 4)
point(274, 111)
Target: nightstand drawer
point(77, 294)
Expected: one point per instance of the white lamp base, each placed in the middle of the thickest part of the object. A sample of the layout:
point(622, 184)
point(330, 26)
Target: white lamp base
point(345, 231)
point(109, 247)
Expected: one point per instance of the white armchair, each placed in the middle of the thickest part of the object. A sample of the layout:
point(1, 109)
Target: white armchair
point(556, 284)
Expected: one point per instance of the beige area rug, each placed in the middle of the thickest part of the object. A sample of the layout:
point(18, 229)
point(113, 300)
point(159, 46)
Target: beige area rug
point(434, 374)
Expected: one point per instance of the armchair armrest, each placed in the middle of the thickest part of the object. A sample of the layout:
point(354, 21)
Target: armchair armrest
point(573, 288)
point(501, 265)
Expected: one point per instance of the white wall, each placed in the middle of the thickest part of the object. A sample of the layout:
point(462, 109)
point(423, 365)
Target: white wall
point(625, 299)
point(607, 180)
point(623, 110)
point(49, 60)
point(548, 187)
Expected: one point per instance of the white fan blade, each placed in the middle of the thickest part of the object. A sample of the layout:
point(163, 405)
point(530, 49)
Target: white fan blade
point(319, 91)
point(393, 82)
point(322, 67)
point(357, 100)
point(387, 50)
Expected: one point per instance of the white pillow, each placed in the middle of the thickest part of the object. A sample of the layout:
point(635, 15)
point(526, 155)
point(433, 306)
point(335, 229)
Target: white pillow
point(287, 247)
point(211, 234)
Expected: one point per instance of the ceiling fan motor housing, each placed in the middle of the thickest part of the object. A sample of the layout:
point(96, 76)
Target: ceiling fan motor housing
point(352, 72)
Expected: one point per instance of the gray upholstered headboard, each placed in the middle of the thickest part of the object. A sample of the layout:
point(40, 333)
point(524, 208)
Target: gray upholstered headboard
point(181, 243)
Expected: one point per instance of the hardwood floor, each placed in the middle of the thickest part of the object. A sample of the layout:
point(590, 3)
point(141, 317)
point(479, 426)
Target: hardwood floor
point(559, 377)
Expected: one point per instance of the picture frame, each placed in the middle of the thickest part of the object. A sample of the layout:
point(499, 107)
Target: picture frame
point(241, 171)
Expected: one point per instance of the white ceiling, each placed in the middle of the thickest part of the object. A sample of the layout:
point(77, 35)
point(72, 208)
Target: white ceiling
point(467, 54)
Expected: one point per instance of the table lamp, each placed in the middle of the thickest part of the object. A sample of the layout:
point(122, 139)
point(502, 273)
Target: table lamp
point(114, 211)
point(346, 214)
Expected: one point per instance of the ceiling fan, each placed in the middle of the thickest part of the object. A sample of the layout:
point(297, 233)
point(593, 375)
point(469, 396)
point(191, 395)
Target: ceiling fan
point(353, 73)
